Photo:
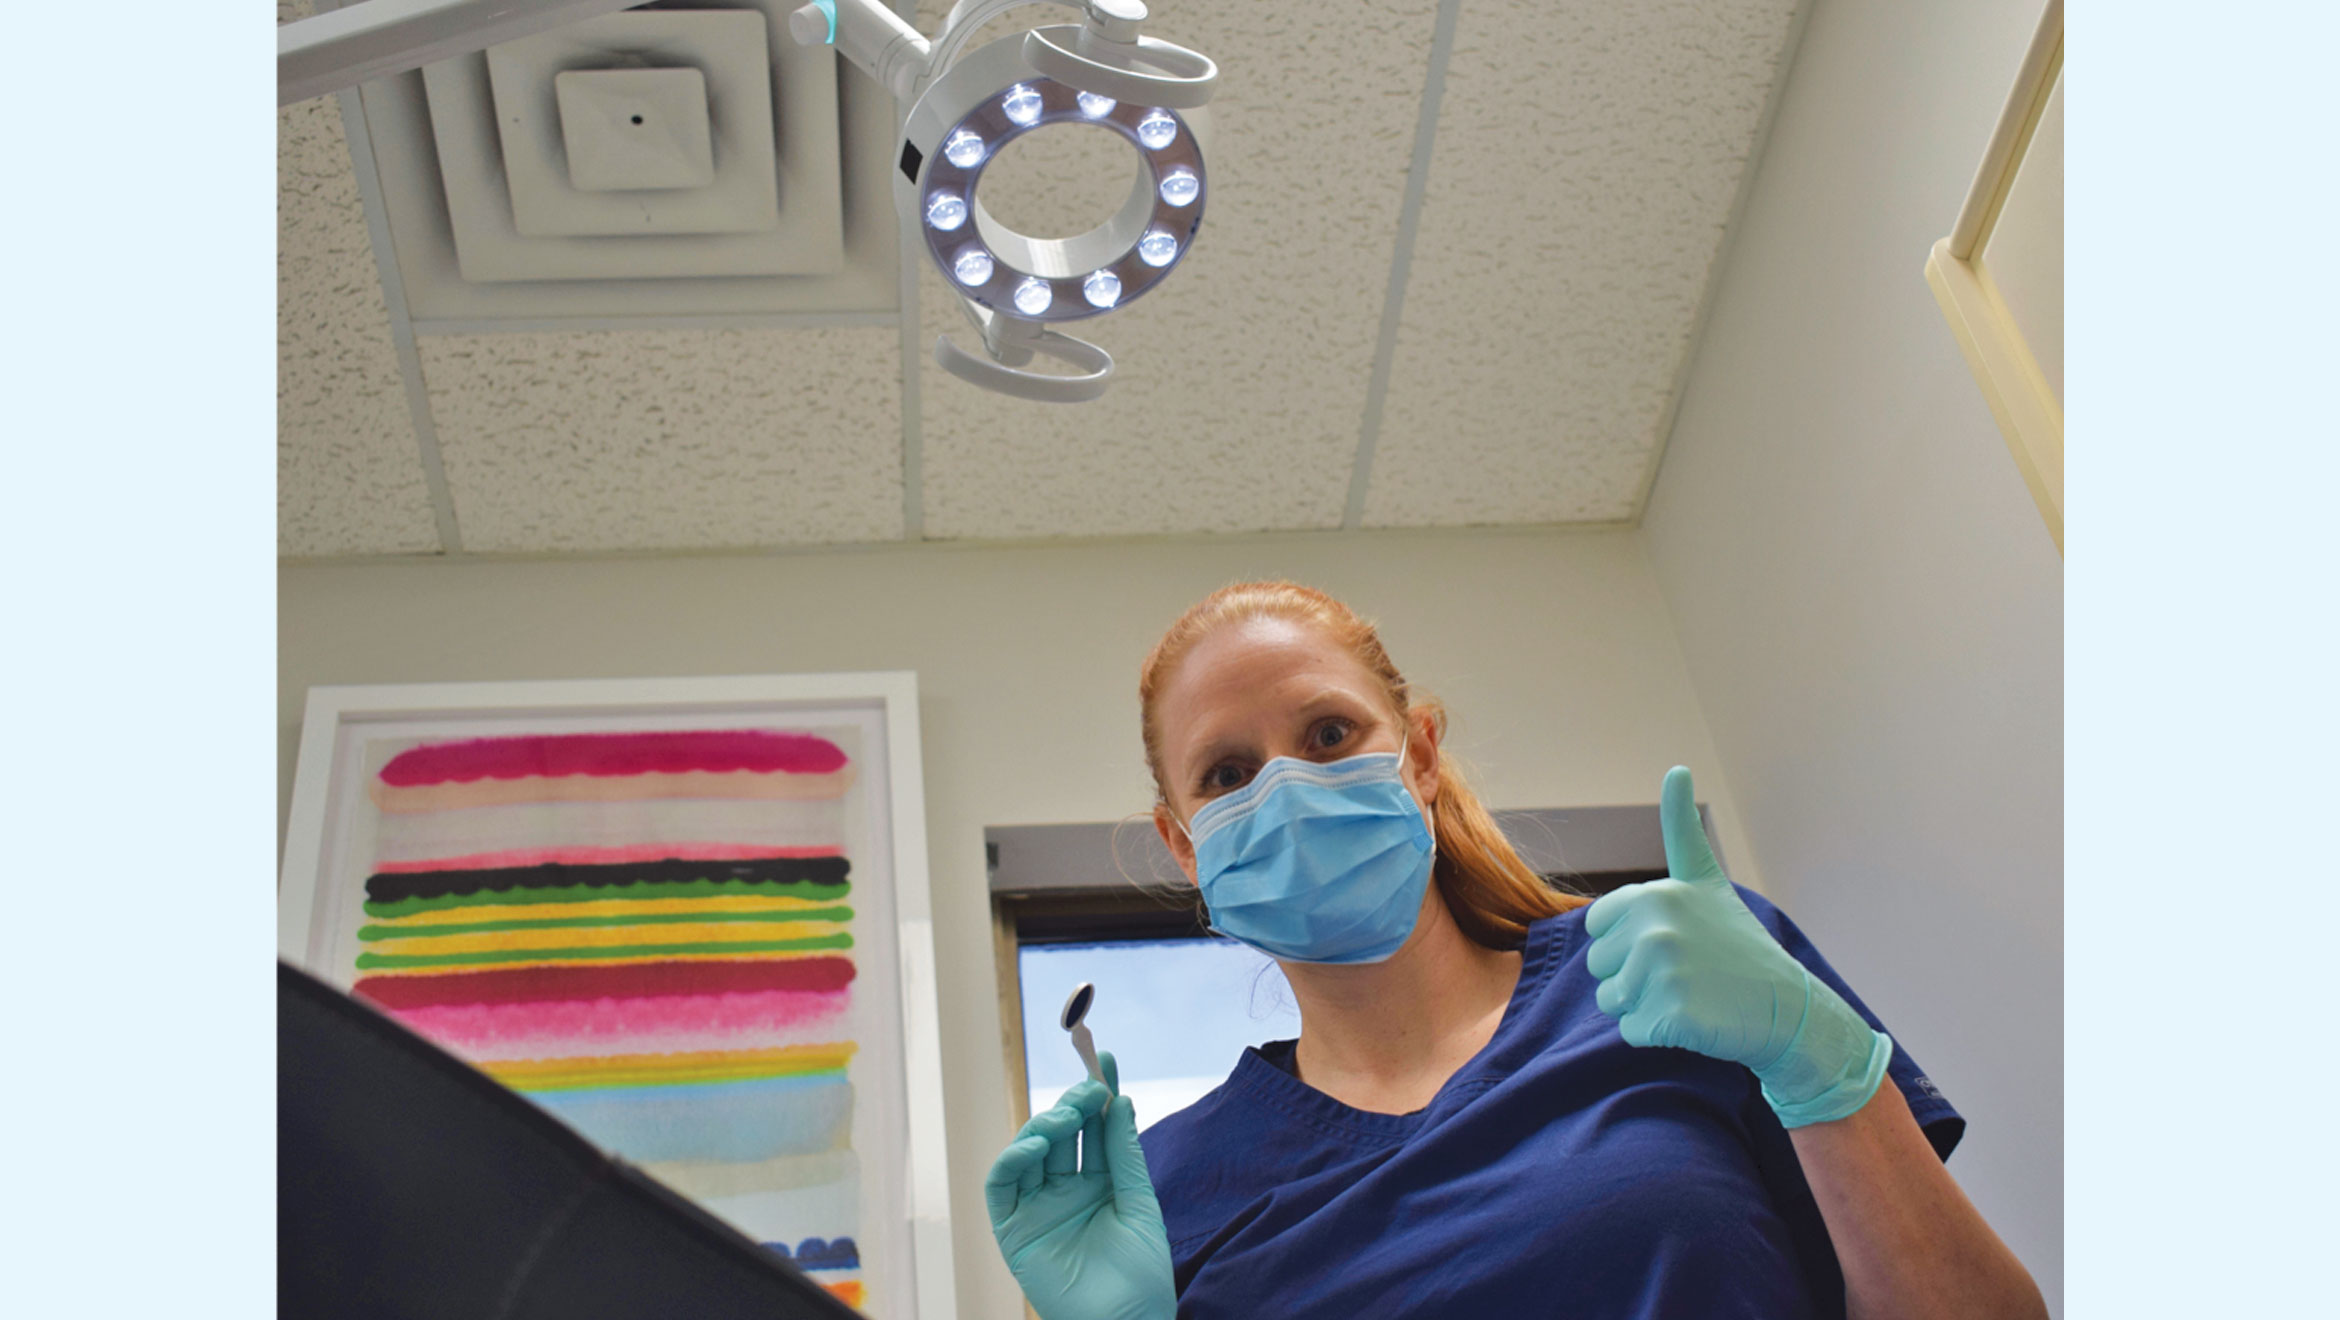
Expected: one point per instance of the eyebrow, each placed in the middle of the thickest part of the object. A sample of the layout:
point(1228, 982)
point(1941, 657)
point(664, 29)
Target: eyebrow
point(1222, 745)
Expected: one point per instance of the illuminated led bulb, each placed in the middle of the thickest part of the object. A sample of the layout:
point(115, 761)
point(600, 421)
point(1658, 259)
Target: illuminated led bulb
point(972, 266)
point(946, 211)
point(1102, 288)
point(1157, 130)
point(1095, 106)
point(964, 149)
point(1157, 248)
point(1022, 105)
point(1033, 296)
point(1180, 187)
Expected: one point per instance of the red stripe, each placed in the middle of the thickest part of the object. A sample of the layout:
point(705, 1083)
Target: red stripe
point(520, 985)
point(763, 751)
point(613, 856)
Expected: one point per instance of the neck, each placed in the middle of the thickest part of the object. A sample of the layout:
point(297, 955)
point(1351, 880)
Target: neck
point(1383, 1037)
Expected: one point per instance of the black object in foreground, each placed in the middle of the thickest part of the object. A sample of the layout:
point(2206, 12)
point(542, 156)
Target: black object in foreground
point(409, 1185)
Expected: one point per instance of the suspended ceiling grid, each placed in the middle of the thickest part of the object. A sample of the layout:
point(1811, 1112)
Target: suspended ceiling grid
point(1497, 339)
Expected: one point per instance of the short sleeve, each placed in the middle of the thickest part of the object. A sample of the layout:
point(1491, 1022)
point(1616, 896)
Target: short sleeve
point(1936, 1117)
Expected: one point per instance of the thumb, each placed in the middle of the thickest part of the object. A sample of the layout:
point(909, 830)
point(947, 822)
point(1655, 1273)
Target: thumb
point(1112, 1073)
point(1687, 855)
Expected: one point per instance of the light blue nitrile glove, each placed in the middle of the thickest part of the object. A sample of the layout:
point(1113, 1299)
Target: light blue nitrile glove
point(1081, 1231)
point(1682, 962)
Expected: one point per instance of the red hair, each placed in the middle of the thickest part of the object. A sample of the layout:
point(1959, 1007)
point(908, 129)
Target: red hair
point(1491, 892)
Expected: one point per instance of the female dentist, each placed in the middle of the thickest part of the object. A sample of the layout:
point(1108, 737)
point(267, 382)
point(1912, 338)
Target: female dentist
point(1504, 1101)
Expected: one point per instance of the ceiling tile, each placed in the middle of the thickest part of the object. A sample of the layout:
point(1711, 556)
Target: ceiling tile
point(349, 477)
point(671, 439)
point(1240, 382)
point(1586, 159)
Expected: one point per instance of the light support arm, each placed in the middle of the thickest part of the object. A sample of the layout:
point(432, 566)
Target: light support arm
point(376, 38)
point(873, 37)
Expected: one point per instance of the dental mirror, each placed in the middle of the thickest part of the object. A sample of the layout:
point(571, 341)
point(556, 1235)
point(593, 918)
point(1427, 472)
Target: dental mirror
point(1076, 1007)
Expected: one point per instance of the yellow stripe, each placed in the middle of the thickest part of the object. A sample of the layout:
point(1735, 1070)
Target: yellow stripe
point(657, 1077)
point(605, 907)
point(622, 961)
point(603, 937)
point(696, 1066)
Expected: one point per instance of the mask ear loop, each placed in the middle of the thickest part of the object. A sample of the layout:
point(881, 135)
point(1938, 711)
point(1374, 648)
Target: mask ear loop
point(1428, 809)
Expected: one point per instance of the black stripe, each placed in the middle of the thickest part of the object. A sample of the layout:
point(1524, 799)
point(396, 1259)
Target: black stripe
point(391, 887)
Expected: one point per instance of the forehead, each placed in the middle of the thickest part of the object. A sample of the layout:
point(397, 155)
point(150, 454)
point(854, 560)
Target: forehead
point(1252, 670)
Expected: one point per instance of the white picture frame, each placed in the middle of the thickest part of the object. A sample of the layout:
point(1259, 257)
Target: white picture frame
point(899, 1139)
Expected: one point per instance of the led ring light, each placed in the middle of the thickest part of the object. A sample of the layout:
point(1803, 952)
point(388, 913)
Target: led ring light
point(965, 109)
point(989, 99)
point(1040, 279)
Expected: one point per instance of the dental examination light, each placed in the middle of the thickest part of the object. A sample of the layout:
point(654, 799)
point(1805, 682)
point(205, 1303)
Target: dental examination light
point(1014, 288)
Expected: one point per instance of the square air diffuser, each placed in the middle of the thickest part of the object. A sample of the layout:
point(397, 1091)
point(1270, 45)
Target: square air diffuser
point(652, 61)
point(770, 206)
point(635, 130)
point(473, 250)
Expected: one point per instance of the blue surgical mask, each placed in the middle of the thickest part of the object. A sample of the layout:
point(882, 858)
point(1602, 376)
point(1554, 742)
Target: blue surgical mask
point(1323, 863)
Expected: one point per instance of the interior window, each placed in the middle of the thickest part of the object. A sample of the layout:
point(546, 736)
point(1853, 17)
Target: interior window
point(1175, 1013)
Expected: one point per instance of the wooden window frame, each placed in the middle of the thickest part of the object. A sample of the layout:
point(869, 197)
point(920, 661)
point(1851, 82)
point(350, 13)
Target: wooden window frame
point(2026, 409)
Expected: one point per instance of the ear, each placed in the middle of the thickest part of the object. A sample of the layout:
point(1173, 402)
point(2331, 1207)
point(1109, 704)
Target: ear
point(1174, 838)
point(1422, 755)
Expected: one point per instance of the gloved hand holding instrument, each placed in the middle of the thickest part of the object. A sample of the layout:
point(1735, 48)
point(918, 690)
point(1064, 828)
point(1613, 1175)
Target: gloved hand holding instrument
point(1682, 962)
point(1081, 1229)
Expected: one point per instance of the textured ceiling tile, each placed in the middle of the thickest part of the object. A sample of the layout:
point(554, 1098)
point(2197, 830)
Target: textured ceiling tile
point(1240, 382)
point(349, 478)
point(669, 439)
point(1586, 159)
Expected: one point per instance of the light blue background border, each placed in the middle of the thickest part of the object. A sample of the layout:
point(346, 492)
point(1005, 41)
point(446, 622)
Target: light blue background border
point(2201, 651)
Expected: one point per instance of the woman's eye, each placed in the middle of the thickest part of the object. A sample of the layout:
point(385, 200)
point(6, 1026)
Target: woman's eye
point(1221, 778)
point(1331, 733)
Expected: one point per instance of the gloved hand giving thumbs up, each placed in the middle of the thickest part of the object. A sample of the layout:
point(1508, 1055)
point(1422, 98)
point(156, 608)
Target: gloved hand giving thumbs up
point(1081, 1230)
point(1682, 962)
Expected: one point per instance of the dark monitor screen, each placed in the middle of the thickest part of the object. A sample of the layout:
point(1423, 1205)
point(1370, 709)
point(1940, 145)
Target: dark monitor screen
point(411, 1185)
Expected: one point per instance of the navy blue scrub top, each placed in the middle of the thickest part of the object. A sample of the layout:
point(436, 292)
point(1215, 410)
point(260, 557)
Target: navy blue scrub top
point(1561, 1172)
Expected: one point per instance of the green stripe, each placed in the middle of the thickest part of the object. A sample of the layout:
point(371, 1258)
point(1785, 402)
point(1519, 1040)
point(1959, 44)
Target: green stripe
point(564, 923)
point(587, 893)
point(368, 961)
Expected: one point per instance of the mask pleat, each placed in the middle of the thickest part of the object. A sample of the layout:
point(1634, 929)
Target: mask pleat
point(1316, 862)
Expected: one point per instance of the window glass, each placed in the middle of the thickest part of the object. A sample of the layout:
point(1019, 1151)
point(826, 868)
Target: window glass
point(1175, 1014)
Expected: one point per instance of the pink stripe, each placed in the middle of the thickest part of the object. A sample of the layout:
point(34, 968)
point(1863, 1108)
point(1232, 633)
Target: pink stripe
point(762, 750)
point(633, 852)
point(664, 1025)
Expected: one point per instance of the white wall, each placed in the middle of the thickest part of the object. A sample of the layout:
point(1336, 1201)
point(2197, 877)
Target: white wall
point(1870, 607)
point(1553, 649)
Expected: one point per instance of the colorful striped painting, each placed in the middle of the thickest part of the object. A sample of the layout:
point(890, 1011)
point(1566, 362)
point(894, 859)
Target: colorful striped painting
point(652, 936)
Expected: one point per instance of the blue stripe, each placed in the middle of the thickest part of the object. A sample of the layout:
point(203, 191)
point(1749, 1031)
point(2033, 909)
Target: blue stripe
point(728, 1122)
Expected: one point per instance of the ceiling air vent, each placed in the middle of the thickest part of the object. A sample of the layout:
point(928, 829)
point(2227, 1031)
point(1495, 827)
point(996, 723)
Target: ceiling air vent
point(646, 167)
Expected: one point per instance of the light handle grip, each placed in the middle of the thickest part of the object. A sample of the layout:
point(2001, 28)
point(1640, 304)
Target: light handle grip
point(1096, 365)
point(1111, 68)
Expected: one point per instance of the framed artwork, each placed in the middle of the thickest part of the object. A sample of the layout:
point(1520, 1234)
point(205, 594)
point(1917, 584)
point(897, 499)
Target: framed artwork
point(1999, 273)
point(687, 916)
